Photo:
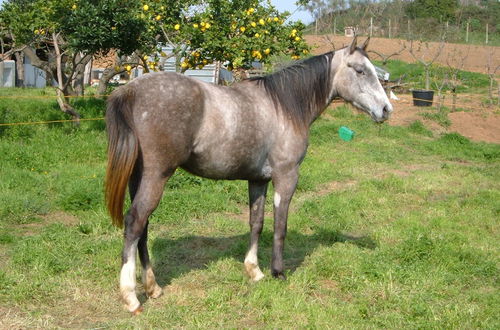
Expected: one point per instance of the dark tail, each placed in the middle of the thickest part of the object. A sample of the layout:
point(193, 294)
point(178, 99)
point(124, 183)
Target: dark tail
point(123, 148)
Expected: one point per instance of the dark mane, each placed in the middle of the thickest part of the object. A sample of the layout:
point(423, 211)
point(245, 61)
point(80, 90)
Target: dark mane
point(301, 89)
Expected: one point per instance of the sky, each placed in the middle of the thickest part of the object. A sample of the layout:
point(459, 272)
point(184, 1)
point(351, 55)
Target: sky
point(282, 5)
point(290, 6)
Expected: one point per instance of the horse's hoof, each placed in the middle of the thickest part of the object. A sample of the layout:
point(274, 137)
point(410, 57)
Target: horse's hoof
point(254, 272)
point(279, 276)
point(156, 292)
point(138, 311)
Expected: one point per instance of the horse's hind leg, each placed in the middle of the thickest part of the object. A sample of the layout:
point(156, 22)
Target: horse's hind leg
point(153, 290)
point(146, 196)
point(257, 195)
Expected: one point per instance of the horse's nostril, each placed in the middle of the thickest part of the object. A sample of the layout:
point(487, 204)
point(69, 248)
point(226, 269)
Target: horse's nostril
point(387, 110)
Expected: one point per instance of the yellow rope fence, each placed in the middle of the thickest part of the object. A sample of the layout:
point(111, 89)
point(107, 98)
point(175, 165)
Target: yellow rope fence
point(102, 118)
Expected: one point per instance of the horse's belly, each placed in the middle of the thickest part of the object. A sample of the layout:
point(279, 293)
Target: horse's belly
point(228, 167)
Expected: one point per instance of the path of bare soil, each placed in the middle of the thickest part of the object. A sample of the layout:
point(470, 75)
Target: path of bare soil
point(474, 120)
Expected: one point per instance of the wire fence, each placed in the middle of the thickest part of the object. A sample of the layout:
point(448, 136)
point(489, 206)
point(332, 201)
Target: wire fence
point(402, 27)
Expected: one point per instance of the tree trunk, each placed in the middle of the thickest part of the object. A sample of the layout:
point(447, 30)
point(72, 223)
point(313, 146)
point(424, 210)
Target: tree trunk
point(19, 69)
point(78, 83)
point(427, 78)
point(36, 61)
point(66, 108)
point(490, 90)
point(104, 80)
point(498, 94)
point(61, 89)
point(454, 102)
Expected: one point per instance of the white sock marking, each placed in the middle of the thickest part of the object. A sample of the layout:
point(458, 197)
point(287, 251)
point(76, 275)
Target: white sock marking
point(127, 280)
point(252, 264)
point(277, 199)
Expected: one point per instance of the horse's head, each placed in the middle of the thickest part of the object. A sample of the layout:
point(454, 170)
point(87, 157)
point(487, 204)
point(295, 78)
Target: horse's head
point(356, 82)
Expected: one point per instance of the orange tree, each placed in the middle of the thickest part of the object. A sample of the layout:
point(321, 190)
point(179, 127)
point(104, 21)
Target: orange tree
point(234, 32)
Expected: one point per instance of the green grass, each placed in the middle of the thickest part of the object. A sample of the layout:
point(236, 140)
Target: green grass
point(440, 117)
point(395, 229)
point(414, 75)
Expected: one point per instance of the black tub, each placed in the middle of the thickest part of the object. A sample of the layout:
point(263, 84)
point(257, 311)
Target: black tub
point(422, 98)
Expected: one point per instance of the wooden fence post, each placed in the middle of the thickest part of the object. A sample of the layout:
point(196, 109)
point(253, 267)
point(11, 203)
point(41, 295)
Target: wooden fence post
point(467, 33)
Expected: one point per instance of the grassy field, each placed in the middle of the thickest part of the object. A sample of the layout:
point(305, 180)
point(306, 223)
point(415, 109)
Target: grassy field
point(395, 229)
point(414, 76)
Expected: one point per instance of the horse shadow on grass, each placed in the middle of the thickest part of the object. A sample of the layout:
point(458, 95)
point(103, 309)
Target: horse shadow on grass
point(175, 257)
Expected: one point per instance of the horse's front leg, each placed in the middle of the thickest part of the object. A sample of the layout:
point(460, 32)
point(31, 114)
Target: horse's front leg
point(257, 199)
point(284, 186)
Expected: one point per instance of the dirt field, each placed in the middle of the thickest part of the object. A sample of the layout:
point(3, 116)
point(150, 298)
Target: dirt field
point(476, 60)
point(474, 120)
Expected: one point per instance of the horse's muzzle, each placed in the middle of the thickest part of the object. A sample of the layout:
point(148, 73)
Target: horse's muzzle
point(386, 113)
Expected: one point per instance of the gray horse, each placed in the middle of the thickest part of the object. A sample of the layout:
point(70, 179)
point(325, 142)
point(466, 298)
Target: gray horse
point(256, 130)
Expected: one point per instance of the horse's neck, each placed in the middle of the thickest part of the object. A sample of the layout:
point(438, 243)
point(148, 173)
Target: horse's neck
point(319, 109)
point(334, 64)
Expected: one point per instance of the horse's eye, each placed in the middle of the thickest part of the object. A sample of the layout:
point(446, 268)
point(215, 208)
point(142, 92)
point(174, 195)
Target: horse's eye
point(359, 71)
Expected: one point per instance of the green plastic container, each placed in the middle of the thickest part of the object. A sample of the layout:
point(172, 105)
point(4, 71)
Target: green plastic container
point(346, 133)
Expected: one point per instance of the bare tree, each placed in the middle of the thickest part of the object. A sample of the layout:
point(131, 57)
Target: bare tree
point(425, 51)
point(439, 84)
point(327, 39)
point(317, 8)
point(454, 70)
point(492, 70)
point(385, 57)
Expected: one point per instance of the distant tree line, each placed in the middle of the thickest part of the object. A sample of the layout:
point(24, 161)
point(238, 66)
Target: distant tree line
point(417, 19)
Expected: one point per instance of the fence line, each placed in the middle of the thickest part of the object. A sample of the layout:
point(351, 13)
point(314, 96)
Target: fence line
point(407, 28)
point(338, 101)
point(50, 121)
point(52, 96)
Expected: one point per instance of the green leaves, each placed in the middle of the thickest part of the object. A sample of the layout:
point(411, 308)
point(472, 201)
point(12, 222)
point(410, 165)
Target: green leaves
point(439, 9)
point(238, 33)
point(102, 25)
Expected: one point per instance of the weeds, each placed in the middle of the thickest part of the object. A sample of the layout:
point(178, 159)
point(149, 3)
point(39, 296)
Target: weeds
point(440, 117)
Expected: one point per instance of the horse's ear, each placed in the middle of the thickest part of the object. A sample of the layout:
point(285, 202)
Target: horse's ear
point(365, 44)
point(354, 43)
